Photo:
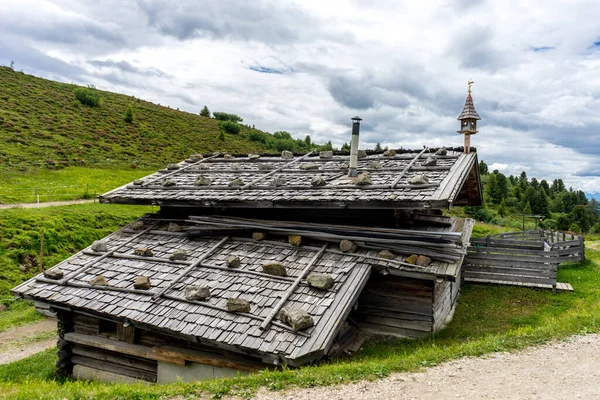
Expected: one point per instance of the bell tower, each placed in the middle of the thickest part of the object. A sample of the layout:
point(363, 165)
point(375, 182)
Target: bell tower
point(468, 120)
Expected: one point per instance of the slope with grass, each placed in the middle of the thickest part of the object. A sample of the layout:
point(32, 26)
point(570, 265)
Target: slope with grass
point(66, 230)
point(488, 319)
point(41, 120)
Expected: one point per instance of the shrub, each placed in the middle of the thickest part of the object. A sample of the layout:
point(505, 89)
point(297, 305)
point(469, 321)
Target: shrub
point(88, 96)
point(205, 112)
point(230, 127)
point(221, 136)
point(129, 114)
point(223, 116)
point(258, 136)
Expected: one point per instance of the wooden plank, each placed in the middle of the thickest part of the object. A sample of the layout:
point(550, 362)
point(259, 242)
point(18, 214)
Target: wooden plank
point(189, 269)
point(202, 357)
point(384, 330)
point(471, 257)
point(515, 271)
point(119, 347)
point(291, 289)
point(158, 177)
point(405, 170)
point(509, 278)
point(81, 372)
point(114, 368)
point(84, 268)
point(116, 358)
point(424, 326)
point(276, 170)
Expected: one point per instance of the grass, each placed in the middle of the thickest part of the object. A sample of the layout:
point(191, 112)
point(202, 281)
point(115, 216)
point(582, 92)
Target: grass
point(19, 313)
point(66, 230)
point(65, 184)
point(43, 124)
point(488, 319)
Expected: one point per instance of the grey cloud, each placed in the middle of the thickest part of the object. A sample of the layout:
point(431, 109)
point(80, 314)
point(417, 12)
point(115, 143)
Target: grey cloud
point(33, 61)
point(474, 46)
point(267, 22)
point(127, 67)
point(351, 93)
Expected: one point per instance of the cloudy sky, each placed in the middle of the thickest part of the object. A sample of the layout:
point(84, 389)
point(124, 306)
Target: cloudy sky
point(307, 67)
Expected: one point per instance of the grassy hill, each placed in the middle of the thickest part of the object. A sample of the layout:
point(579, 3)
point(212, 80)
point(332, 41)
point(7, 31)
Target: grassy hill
point(42, 120)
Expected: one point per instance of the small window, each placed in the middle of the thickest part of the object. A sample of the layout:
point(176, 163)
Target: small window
point(108, 328)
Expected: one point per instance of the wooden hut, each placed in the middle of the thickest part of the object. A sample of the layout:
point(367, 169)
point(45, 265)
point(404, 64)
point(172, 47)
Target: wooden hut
point(258, 261)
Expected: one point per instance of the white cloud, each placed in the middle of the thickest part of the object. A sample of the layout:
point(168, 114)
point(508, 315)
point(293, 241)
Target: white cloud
point(401, 65)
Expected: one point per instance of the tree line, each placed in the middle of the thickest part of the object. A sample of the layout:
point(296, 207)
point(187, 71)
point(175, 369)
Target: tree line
point(555, 206)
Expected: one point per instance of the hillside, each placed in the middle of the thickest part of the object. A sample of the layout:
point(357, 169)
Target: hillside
point(41, 120)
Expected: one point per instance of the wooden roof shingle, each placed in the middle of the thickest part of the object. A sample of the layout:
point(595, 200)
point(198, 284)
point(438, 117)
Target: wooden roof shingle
point(272, 181)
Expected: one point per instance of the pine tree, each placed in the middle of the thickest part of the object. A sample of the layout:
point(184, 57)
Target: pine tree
point(129, 115)
point(502, 210)
point(483, 168)
point(527, 208)
point(378, 147)
point(205, 112)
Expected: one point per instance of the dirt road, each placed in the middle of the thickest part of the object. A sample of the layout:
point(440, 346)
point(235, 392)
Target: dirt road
point(567, 370)
point(45, 204)
point(24, 341)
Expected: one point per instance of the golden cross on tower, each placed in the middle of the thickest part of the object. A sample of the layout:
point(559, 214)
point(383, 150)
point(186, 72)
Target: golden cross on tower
point(470, 83)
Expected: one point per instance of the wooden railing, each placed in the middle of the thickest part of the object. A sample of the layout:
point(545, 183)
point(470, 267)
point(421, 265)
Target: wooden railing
point(530, 258)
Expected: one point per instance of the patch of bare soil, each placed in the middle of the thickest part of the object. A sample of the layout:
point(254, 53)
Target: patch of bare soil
point(564, 370)
point(24, 341)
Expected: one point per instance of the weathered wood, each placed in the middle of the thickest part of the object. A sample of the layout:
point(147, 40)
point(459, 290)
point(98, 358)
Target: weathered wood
point(126, 333)
point(156, 178)
point(405, 170)
point(207, 358)
point(80, 271)
point(82, 372)
point(291, 289)
point(190, 268)
point(120, 347)
point(282, 188)
point(276, 170)
point(116, 358)
point(115, 368)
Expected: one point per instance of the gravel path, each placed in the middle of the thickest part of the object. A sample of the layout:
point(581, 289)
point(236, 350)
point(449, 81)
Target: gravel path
point(45, 204)
point(19, 343)
point(565, 370)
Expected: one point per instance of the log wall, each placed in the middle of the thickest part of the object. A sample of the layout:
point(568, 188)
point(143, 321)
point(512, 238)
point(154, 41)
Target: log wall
point(97, 348)
point(396, 306)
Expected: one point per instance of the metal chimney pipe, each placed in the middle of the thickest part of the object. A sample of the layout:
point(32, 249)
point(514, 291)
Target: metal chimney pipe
point(354, 147)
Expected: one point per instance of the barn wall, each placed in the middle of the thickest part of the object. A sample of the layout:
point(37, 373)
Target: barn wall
point(99, 349)
point(445, 298)
point(397, 306)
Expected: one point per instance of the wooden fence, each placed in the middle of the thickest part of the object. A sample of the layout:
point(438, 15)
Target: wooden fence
point(529, 258)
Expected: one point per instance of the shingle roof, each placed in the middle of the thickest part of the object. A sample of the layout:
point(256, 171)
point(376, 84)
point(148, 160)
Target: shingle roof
point(390, 188)
point(209, 321)
point(468, 111)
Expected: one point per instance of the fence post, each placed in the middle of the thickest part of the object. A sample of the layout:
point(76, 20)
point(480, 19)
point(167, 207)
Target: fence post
point(42, 251)
point(582, 245)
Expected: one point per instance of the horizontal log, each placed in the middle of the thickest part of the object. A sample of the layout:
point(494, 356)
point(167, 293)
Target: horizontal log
point(567, 243)
point(509, 264)
point(423, 326)
point(207, 358)
point(114, 368)
point(509, 278)
point(116, 358)
point(512, 271)
point(397, 314)
point(511, 251)
point(507, 257)
point(376, 329)
point(119, 347)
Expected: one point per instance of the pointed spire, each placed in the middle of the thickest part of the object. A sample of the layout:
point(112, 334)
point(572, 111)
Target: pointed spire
point(468, 111)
